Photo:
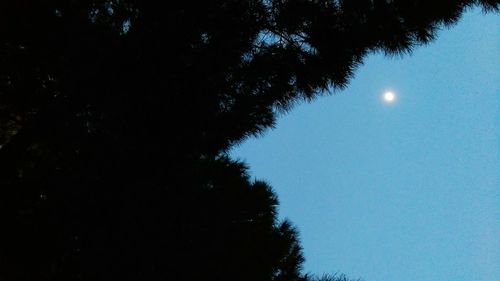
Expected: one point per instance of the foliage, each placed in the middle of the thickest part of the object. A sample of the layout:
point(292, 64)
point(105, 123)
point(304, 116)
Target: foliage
point(115, 117)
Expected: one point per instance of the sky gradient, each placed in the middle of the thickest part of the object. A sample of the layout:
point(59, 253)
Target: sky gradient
point(403, 192)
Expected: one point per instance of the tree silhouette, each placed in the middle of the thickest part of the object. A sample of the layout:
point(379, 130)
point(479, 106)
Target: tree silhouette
point(115, 117)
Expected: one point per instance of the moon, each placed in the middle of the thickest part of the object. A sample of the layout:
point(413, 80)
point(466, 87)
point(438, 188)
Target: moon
point(389, 97)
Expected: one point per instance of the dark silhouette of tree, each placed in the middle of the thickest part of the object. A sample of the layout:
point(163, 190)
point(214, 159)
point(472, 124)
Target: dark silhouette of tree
point(115, 117)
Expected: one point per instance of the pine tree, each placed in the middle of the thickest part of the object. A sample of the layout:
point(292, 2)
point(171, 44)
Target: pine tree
point(115, 117)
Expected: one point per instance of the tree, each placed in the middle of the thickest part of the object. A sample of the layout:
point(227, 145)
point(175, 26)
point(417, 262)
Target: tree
point(115, 117)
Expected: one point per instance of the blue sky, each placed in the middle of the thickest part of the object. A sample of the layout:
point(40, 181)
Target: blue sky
point(402, 192)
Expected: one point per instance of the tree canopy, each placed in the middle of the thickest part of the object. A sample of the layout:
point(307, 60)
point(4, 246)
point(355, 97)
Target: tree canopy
point(115, 117)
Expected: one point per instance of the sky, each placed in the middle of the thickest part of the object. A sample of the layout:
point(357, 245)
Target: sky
point(407, 191)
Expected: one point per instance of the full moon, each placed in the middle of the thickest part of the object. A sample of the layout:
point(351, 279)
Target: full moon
point(389, 97)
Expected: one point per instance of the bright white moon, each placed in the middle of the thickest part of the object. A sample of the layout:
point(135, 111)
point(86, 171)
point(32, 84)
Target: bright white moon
point(389, 97)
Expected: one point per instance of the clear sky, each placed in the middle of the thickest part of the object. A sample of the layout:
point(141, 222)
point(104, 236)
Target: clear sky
point(403, 192)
